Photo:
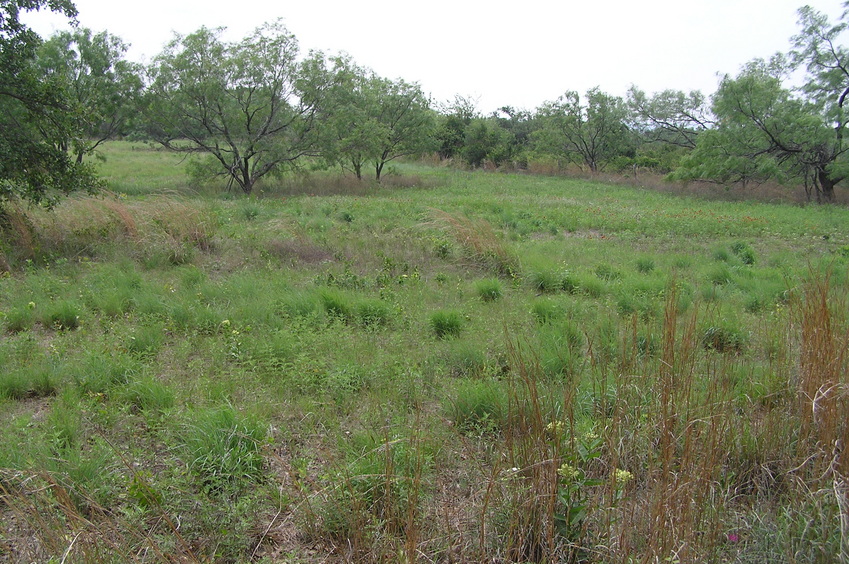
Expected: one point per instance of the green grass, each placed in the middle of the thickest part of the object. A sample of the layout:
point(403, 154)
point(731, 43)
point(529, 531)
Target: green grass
point(326, 371)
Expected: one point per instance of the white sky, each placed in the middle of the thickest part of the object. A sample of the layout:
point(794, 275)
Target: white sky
point(519, 54)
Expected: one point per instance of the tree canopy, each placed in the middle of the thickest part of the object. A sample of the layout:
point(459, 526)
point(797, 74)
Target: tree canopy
point(37, 114)
point(246, 105)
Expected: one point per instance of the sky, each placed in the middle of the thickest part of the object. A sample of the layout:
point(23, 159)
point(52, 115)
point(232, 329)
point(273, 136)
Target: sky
point(517, 54)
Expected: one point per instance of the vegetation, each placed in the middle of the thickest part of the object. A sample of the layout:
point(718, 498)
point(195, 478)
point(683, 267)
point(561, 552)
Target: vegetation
point(195, 376)
point(442, 364)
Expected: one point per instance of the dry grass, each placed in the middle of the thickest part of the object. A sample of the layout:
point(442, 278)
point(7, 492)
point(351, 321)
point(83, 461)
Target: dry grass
point(482, 245)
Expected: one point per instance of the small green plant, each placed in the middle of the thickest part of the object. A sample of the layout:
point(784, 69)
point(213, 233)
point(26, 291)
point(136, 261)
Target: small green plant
point(480, 407)
point(725, 338)
point(146, 340)
point(446, 324)
point(489, 289)
point(372, 312)
point(336, 303)
point(223, 447)
point(744, 252)
point(546, 311)
point(645, 265)
point(148, 395)
point(63, 315)
point(607, 273)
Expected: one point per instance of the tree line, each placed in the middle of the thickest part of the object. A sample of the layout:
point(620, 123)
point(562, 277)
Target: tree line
point(257, 107)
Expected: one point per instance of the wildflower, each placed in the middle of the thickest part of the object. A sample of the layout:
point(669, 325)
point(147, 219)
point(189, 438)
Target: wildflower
point(622, 476)
point(31, 305)
point(225, 323)
point(733, 537)
point(568, 472)
point(554, 428)
point(590, 436)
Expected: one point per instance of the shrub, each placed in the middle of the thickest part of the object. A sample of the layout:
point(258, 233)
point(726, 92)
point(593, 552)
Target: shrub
point(607, 273)
point(489, 289)
point(546, 311)
point(63, 315)
point(148, 395)
point(336, 303)
point(446, 323)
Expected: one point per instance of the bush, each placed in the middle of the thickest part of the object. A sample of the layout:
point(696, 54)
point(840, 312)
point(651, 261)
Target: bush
point(645, 265)
point(446, 324)
point(744, 252)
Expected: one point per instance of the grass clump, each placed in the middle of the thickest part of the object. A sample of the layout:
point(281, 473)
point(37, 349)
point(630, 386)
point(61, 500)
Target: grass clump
point(446, 324)
point(489, 289)
point(479, 241)
point(724, 338)
point(224, 447)
point(479, 407)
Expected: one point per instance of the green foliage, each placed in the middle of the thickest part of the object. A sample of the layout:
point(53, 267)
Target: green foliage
point(202, 86)
point(223, 447)
point(724, 338)
point(489, 289)
point(38, 117)
point(446, 324)
point(371, 119)
point(479, 407)
point(103, 85)
point(588, 134)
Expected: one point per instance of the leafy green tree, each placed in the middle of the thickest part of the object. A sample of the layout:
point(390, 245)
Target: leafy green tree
point(764, 130)
point(670, 117)
point(485, 140)
point(404, 121)
point(250, 106)
point(587, 133)
point(350, 136)
point(104, 85)
point(37, 115)
point(454, 118)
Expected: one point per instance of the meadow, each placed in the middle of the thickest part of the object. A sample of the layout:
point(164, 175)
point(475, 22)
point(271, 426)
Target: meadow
point(448, 367)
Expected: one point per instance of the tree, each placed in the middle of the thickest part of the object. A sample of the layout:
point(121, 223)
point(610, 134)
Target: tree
point(765, 130)
point(250, 106)
point(486, 140)
point(454, 118)
point(403, 119)
point(588, 134)
point(671, 117)
point(104, 85)
point(36, 115)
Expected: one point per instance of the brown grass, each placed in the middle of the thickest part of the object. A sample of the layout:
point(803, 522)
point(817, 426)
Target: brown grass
point(480, 242)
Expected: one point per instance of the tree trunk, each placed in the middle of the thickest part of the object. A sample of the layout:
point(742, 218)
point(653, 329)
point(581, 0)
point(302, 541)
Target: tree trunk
point(827, 184)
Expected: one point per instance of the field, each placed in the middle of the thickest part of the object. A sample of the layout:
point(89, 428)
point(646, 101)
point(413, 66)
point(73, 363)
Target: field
point(450, 367)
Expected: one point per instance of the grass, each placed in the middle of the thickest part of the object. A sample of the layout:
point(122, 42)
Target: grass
point(333, 372)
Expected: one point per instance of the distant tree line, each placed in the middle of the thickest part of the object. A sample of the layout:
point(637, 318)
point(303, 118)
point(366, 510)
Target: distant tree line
point(257, 107)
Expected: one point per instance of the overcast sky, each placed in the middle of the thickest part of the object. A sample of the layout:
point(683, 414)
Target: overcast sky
point(518, 53)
